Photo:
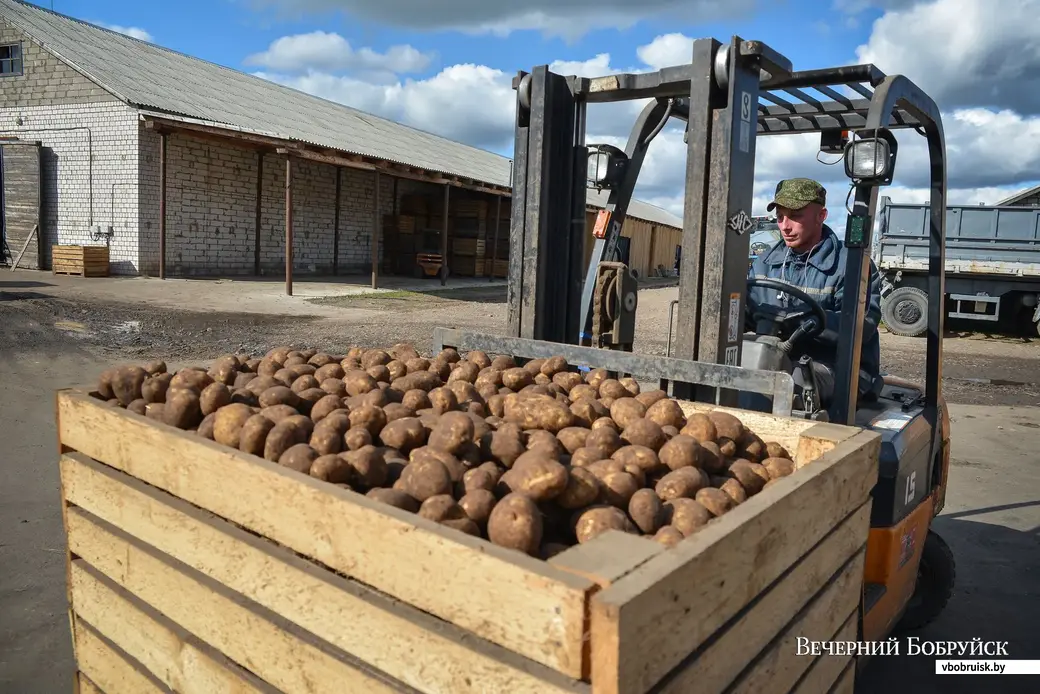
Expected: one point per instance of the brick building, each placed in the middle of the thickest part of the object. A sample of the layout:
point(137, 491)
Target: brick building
point(180, 165)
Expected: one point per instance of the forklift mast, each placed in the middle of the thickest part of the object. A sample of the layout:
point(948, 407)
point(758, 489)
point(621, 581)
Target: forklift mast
point(727, 95)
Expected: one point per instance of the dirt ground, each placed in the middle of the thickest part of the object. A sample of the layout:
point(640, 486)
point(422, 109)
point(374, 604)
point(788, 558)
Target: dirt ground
point(56, 333)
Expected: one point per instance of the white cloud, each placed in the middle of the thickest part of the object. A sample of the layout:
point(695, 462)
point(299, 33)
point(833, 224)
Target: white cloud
point(964, 53)
point(135, 32)
point(323, 51)
point(667, 50)
point(569, 19)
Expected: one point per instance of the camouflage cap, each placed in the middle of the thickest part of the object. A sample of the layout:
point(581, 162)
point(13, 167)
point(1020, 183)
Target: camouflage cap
point(796, 193)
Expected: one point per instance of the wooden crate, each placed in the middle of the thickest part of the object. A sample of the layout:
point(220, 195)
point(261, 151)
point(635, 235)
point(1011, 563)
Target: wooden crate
point(198, 568)
point(85, 261)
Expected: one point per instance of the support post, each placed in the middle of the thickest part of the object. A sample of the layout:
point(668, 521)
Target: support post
point(162, 205)
point(259, 210)
point(335, 222)
point(375, 235)
point(288, 226)
point(444, 237)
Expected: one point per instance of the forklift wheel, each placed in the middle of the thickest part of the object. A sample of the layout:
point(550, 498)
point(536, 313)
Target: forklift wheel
point(935, 579)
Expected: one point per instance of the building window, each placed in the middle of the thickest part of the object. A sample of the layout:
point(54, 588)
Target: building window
point(10, 59)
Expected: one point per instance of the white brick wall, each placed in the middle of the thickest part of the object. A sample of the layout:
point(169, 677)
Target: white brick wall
point(211, 213)
point(88, 171)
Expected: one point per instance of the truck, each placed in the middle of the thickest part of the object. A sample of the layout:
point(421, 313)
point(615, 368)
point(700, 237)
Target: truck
point(992, 265)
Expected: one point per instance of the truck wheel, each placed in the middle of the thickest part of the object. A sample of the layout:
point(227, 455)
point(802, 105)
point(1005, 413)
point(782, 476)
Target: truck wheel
point(905, 311)
point(935, 578)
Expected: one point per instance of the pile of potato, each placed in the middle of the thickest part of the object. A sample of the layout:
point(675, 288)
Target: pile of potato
point(534, 457)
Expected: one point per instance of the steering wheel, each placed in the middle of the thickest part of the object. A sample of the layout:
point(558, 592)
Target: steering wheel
point(801, 324)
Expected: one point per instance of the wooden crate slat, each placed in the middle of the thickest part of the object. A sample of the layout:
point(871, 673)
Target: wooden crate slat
point(827, 669)
point(287, 658)
point(717, 665)
point(779, 669)
point(175, 657)
point(646, 624)
point(111, 671)
point(516, 601)
point(846, 683)
point(88, 261)
point(415, 648)
point(85, 685)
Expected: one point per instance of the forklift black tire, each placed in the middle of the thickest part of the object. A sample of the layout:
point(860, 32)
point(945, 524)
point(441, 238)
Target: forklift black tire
point(905, 311)
point(935, 579)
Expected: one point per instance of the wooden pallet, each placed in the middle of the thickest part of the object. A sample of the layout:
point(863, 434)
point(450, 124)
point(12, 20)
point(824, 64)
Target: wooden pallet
point(198, 568)
point(85, 261)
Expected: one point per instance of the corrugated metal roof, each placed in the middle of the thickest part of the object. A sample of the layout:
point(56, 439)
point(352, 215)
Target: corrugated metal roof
point(157, 78)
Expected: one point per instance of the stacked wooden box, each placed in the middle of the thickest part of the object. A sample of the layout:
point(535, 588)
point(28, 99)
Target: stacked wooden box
point(85, 261)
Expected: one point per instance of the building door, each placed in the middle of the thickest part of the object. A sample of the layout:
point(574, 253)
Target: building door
point(20, 177)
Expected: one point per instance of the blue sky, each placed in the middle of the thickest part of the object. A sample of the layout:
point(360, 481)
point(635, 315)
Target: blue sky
point(445, 67)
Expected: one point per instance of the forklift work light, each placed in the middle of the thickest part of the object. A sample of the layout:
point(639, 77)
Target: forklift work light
point(871, 158)
point(606, 166)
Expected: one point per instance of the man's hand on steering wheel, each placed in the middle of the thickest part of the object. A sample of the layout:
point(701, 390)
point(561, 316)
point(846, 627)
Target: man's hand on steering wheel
point(799, 325)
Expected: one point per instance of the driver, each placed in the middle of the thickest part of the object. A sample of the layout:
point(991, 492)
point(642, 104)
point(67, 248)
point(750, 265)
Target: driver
point(811, 257)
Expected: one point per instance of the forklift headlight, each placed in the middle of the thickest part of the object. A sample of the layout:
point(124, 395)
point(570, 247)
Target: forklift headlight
point(606, 166)
point(871, 158)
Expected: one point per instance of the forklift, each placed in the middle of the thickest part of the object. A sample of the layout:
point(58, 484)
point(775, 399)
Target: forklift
point(727, 96)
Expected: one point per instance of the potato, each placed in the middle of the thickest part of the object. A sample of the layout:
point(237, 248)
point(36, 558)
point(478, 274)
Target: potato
point(456, 468)
point(516, 523)
point(734, 490)
point(332, 468)
point(586, 411)
point(715, 500)
point(650, 397)
point(358, 382)
point(479, 357)
point(155, 367)
point(626, 410)
point(370, 417)
point(229, 421)
point(153, 410)
point(639, 457)
point(597, 520)
point(396, 369)
point(416, 399)
point(477, 478)
point(242, 379)
point(253, 434)
point(182, 407)
point(443, 370)
point(478, 505)
point(538, 477)
point(374, 357)
point(424, 478)
point(403, 351)
point(303, 383)
point(682, 483)
point(279, 395)
point(752, 476)
point(583, 489)
point(185, 378)
point(712, 459)
point(778, 467)
point(775, 450)
point(686, 515)
point(154, 389)
point(452, 432)
point(727, 425)
point(666, 413)
point(646, 510)
point(277, 413)
point(125, 383)
point(213, 397)
point(727, 447)
point(443, 400)
point(680, 451)
point(321, 409)
point(573, 438)
point(699, 426)
point(567, 380)
point(516, 379)
point(395, 498)
point(643, 432)
point(440, 508)
point(618, 488)
point(420, 380)
point(585, 456)
point(605, 440)
point(285, 434)
point(327, 437)
point(404, 434)
point(538, 412)
point(245, 397)
point(138, 406)
point(298, 457)
point(503, 362)
point(379, 373)
point(545, 443)
point(370, 468)
point(668, 536)
point(259, 384)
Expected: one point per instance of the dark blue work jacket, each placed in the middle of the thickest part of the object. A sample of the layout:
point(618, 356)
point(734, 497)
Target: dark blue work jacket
point(821, 274)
